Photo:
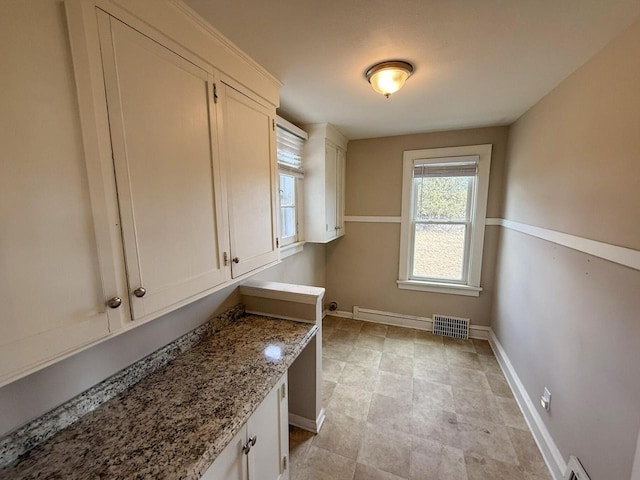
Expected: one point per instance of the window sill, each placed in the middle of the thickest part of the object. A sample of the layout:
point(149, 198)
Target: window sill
point(291, 249)
point(449, 288)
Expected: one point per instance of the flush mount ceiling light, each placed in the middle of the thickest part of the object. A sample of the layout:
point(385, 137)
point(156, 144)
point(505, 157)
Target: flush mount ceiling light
point(389, 77)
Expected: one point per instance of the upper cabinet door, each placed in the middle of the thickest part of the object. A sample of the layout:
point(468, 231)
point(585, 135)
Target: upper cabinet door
point(331, 191)
point(249, 161)
point(163, 131)
point(340, 190)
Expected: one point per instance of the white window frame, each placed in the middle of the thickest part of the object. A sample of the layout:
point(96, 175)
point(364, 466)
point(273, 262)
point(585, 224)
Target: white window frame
point(297, 185)
point(471, 285)
point(292, 245)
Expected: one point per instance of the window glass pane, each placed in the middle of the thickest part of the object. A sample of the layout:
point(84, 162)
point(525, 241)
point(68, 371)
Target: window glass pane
point(288, 221)
point(438, 251)
point(442, 198)
point(287, 190)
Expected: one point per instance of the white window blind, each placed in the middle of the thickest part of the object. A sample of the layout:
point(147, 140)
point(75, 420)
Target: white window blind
point(439, 170)
point(290, 147)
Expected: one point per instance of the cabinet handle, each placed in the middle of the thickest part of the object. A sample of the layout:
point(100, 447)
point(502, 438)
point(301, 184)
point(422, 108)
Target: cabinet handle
point(114, 302)
point(250, 443)
point(236, 260)
point(140, 292)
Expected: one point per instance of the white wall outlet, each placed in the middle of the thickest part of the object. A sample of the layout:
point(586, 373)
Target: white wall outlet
point(545, 399)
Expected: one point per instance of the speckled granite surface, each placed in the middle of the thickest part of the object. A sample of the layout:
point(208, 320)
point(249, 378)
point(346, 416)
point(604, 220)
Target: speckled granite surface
point(174, 422)
point(46, 426)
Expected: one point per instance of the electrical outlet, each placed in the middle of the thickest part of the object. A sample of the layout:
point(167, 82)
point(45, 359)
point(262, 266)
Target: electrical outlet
point(545, 399)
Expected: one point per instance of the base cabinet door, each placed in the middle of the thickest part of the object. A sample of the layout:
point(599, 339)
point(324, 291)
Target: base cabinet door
point(231, 463)
point(260, 450)
point(268, 456)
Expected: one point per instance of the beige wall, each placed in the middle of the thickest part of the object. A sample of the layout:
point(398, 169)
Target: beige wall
point(362, 267)
point(568, 320)
point(38, 393)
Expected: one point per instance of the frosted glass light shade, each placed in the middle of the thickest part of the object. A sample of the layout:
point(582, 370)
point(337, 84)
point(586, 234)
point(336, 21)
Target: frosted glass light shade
point(389, 77)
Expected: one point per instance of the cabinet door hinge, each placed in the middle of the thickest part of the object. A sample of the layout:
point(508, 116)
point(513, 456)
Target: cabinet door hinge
point(225, 257)
point(277, 243)
point(273, 124)
point(284, 463)
point(284, 391)
point(215, 93)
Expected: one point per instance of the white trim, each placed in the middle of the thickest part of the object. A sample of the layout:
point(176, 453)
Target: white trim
point(550, 452)
point(448, 288)
point(337, 313)
point(312, 426)
point(196, 18)
point(372, 219)
point(291, 249)
point(627, 257)
point(492, 222)
point(478, 332)
point(283, 291)
point(390, 318)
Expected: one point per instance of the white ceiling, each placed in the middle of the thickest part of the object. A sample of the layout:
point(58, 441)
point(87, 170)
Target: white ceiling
point(478, 62)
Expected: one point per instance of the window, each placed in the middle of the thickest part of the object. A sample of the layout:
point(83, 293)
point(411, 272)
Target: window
point(288, 222)
point(444, 202)
point(290, 143)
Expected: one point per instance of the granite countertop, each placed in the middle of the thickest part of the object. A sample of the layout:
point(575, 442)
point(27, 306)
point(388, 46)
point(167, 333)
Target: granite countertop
point(176, 421)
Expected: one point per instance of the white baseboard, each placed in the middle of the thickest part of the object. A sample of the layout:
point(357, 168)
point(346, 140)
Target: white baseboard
point(479, 332)
point(420, 323)
point(550, 452)
point(337, 313)
point(304, 423)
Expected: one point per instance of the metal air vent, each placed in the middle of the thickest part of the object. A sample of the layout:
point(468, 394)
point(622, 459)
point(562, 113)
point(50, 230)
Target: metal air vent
point(451, 326)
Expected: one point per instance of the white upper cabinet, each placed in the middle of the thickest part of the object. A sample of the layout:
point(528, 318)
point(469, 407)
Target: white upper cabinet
point(248, 151)
point(114, 188)
point(58, 257)
point(324, 157)
point(165, 152)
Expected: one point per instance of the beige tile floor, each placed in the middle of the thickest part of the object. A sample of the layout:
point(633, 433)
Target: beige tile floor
point(405, 404)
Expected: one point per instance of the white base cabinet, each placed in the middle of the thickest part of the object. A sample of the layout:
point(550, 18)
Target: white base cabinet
point(324, 164)
point(260, 450)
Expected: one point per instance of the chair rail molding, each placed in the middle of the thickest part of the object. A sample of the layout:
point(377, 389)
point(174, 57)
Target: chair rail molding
point(627, 257)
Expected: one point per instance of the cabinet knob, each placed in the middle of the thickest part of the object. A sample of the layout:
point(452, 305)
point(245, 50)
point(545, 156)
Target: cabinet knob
point(250, 443)
point(236, 260)
point(114, 302)
point(140, 292)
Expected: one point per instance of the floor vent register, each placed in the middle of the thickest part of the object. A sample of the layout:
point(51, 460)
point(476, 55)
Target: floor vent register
point(453, 327)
